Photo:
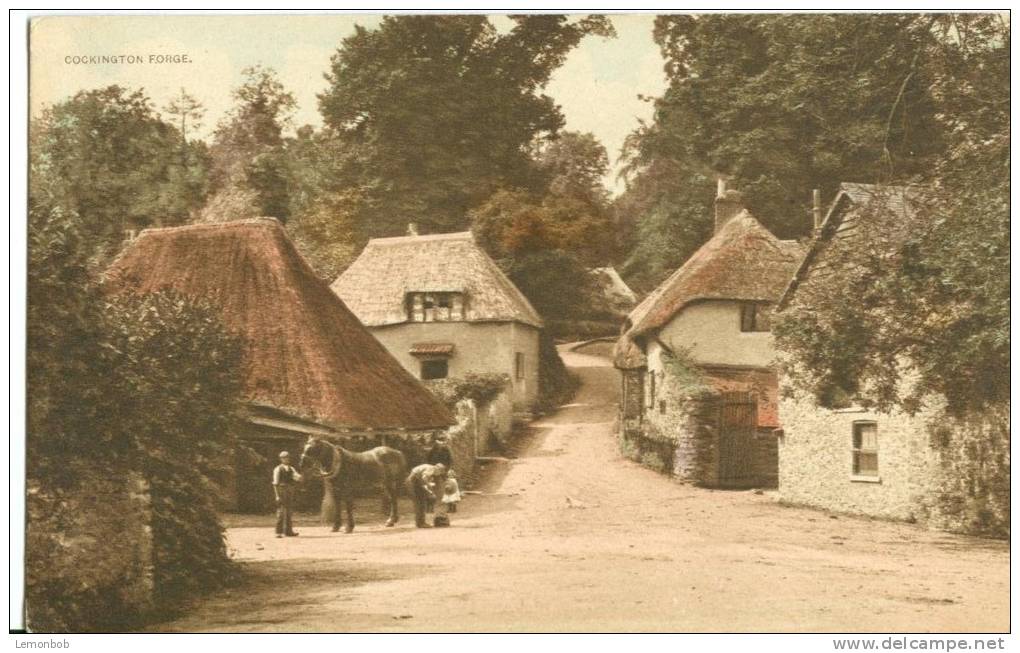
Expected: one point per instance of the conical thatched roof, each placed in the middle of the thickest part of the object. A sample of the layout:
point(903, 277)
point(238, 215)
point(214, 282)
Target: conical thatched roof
point(375, 286)
point(743, 261)
point(305, 352)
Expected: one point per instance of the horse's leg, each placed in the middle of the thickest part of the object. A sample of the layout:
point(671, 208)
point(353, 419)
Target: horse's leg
point(391, 492)
point(349, 505)
point(338, 505)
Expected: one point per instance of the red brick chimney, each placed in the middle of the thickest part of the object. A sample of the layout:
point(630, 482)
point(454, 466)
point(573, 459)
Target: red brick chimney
point(728, 204)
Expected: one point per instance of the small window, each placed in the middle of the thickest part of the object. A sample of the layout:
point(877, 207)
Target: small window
point(755, 317)
point(865, 449)
point(651, 389)
point(443, 300)
point(662, 406)
point(519, 366)
point(434, 369)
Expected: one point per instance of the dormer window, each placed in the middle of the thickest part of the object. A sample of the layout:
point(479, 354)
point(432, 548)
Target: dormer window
point(755, 316)
point(445, 306)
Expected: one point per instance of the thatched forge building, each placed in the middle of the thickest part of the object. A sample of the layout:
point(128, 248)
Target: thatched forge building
point(713, 427)
point(949, 471)
point(443, 308)
point(310, 368)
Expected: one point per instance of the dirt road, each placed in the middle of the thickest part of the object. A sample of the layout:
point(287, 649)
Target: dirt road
point(570, 536)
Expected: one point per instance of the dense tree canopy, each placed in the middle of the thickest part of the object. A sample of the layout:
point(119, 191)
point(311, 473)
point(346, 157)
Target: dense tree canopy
point(780, 105)
point(250, 168)
point(105, 159)
point(437, 113)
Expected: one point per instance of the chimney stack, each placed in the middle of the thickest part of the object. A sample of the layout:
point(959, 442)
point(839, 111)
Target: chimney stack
point(412, 229)
point(728, 204)
point(816, 207)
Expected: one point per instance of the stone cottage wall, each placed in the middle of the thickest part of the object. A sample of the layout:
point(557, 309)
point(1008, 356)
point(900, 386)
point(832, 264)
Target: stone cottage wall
point(89, 555)
point(951, 473)
point(816, 461)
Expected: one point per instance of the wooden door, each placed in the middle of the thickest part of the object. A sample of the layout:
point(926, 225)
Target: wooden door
point(738, 416)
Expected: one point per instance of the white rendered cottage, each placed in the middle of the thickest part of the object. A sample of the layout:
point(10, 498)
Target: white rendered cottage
point(442, 307)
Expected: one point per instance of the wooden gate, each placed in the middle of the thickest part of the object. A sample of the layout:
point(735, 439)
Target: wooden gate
point(738, 417)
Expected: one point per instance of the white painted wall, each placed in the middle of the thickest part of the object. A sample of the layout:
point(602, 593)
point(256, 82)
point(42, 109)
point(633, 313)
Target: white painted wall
point(479, 347)
point(711, 330)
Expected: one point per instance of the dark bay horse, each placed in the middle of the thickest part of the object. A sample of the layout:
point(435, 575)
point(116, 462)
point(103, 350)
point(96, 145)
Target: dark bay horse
point(339, 468)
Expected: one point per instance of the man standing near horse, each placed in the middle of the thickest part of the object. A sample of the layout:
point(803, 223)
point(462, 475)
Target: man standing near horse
point(423, 481)
point(284, 479)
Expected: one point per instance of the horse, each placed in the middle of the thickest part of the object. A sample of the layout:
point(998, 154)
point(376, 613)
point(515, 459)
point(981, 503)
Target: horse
point(338, 467)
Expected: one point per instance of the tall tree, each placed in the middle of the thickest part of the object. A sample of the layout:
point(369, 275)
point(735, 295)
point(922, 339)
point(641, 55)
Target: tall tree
point(781, 105)
point(438, 112)
point(250, 172)
point(106, 158)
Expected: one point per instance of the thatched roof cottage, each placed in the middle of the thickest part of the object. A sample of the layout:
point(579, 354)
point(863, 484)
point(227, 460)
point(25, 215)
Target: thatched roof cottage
point(443, 308)
point(713, 312)
point(309, 366)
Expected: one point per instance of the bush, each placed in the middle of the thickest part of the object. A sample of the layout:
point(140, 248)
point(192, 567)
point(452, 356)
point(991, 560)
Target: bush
point(481, 388)
point(556, 384)
point(143, 386)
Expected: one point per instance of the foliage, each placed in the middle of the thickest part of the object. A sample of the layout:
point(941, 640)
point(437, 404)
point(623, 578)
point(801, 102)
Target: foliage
point(146, 385)
point(107, 159)
point(481, 388)
point(179, 386)
point(684, 374)
point(556, 383)
point(664, 216)
point(438, 112)
point(971, 483)
point(652, 460)
point(250, 170)
point(325, 216)
point(543, 246)
point(779, 105)
point(931, 289)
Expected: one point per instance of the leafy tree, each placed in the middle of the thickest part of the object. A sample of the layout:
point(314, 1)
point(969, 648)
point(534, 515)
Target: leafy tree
point(931, 307)
point(325, 215)
point(780, 105)
point(576, 164)
point(438, 112)
point(107, 159)
point(663, 216)
point(250, 169)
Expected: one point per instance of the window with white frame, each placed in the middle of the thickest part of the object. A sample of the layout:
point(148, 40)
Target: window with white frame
point(865, 449)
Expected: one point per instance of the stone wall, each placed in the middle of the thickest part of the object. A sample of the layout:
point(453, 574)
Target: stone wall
point(89, 554)
point(951, 473)
point(681, 429)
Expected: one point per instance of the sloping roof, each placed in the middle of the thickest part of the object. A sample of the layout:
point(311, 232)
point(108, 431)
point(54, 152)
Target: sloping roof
point(305, 352)
point(842, 222)
point(376, 284)
point(742, 261)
